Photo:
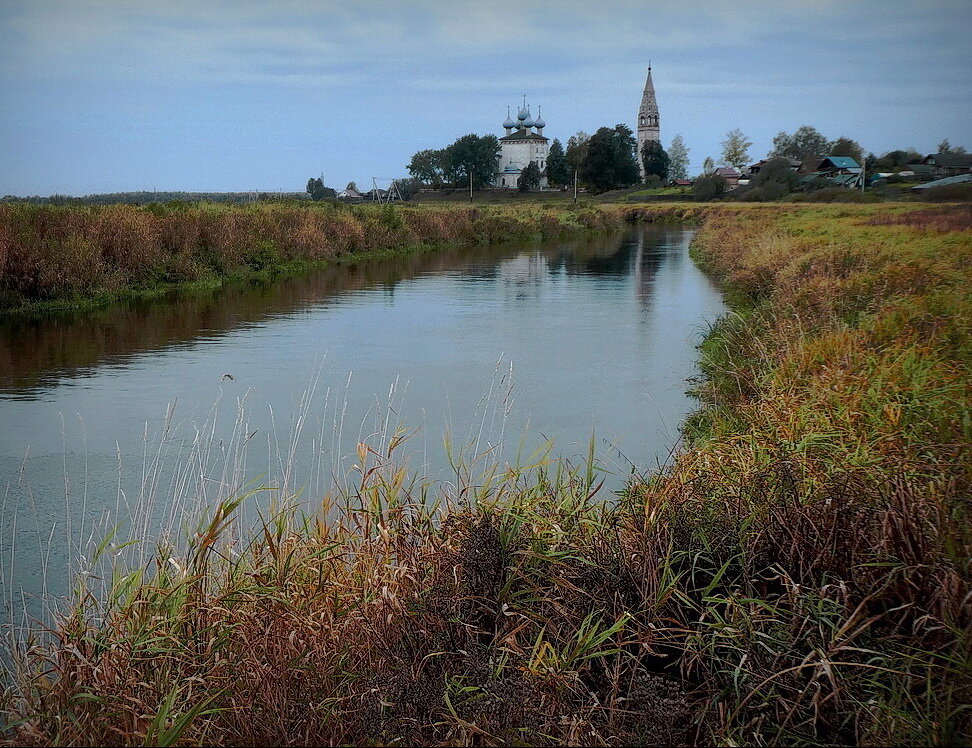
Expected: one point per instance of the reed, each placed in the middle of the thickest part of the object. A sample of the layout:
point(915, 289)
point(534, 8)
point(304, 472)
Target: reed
point(799, 574)
point(78, 255)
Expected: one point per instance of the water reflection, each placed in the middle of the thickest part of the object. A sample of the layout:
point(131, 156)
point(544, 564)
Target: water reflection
point(36, 353)
point(493, 345)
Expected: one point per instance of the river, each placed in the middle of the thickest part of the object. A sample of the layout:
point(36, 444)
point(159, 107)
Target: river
point(141, 413)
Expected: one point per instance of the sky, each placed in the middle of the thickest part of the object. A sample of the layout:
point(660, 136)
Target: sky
point(238, 95)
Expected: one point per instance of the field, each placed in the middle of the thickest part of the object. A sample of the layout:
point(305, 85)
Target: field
point(800, 574)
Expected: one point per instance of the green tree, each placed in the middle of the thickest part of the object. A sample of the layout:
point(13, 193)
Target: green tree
point(776, 177)
point(806, 142)
point(427, 166)
point(558, 172)
point(708, 166)
point(708, 186)
point(654, 159)
point(529, 178)
point(610, 161)
point(352, 185)
point(316, 189)
point(735, 149)
point(576, 151)
point(899, 158)
point(678, 159)
point(476, 156)
point(847, 147)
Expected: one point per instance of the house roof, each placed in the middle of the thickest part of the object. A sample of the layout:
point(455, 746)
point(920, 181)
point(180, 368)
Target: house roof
point(958, 179)
point(839, 162)
point(727, 171)
point(841, 180)
point(523, 135)
point(794, 163)
point(846, 180)
point(949, 160)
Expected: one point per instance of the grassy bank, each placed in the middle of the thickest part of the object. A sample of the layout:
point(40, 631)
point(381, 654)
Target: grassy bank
point(52, 257)
point(800, 574)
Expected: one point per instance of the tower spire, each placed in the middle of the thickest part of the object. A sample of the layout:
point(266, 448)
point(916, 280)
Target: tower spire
point(648, 128)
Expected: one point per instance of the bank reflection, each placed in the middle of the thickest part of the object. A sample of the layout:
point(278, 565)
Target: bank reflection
point(36, 354)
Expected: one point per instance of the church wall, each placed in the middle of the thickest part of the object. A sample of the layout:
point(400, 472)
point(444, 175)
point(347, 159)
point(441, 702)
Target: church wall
point(518, 154)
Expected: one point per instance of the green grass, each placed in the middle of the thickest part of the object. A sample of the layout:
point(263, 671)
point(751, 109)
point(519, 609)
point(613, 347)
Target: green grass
point(799, 575)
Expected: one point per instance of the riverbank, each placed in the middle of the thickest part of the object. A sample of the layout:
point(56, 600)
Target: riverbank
point(54, 257)
point(800, 574)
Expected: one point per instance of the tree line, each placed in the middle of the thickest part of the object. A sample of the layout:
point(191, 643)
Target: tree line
point(603, 161)
point(609, 159)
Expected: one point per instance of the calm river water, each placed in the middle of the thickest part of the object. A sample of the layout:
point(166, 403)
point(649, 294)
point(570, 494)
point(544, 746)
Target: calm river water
point(148, 409)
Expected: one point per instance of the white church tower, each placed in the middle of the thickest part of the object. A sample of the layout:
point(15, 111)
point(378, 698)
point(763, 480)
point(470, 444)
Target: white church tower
point(520, 146)
point(647, 120)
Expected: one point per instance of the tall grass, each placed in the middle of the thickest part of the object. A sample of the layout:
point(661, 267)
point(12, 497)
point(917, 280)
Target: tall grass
point(50, 253)
point(800, 574)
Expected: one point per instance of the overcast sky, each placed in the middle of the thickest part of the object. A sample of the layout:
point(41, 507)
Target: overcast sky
point(227, 95)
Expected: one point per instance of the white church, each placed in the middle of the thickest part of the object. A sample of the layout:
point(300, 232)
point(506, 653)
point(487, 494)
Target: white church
point(525, 142)
point(520, 146)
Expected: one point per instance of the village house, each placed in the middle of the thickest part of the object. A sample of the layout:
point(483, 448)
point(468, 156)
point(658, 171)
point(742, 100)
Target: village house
point(731, 175)
point(948, 164)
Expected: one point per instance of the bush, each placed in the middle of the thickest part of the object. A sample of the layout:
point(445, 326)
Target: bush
point(708, 186)
point(835, 195)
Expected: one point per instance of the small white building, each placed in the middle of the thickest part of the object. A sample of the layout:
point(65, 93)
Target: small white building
point(520, 146)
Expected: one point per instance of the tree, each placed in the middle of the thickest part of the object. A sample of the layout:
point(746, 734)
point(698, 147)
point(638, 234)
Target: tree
point(847, 147)
point(735, 149)
point(352, 185)
point(473, 155)
point(427, 166)
point(946, 147)
point(576, 150)
point(776, 177)
point(708, 166)
point(529, 178)
point(558, 172)
point(654, 159)
point(708, 186)
point(316, 189)
point(806, 142)
point(899, 158)
point(610, 161)
point(678, 159)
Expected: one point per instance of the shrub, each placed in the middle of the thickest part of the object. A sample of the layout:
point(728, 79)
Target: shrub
point(708, 187)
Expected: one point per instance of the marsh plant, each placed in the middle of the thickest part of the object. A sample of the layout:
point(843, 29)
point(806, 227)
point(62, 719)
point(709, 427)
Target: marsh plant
point(80, 255)
point(798, 575)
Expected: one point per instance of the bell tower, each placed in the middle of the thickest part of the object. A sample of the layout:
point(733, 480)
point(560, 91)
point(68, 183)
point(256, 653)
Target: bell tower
point(647, 119)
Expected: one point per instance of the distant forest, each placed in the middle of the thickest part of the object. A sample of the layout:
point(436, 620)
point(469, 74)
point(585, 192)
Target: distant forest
point(144, 197)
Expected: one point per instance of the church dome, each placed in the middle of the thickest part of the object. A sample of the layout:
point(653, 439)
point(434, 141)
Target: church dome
point(538, 122)
point(523, 114)
point(528, 120)
point(509, 122)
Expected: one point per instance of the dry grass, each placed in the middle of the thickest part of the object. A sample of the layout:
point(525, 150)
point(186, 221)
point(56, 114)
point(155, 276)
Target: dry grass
point(75, 253)
point(800, 575)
